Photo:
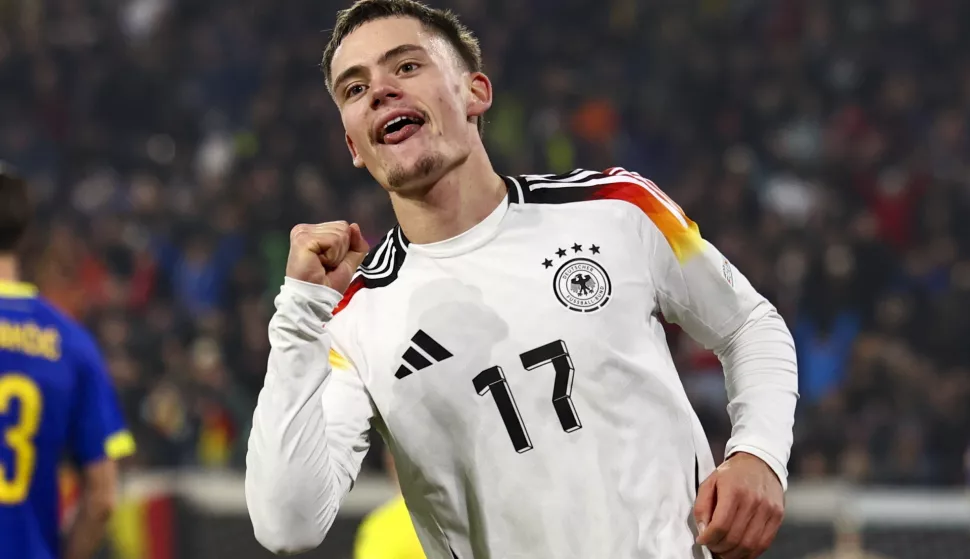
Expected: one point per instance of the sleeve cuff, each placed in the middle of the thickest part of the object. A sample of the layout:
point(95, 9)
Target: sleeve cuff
point(321, 295)
point(119, 445)
point(776, 466)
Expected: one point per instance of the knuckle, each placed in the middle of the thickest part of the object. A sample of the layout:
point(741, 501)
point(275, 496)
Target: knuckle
point(298, 231)
point(747, 496)
point(741, 499)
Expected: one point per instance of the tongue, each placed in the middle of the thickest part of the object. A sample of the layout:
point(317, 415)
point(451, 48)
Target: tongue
point(404, 133)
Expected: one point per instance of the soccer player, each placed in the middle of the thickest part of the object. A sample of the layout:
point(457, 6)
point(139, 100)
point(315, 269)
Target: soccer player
point(505, 340)
point(55, 397)
point(387, 532)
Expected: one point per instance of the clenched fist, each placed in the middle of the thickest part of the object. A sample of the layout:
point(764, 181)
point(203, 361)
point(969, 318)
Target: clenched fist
point(326, 254)
point(739, 508)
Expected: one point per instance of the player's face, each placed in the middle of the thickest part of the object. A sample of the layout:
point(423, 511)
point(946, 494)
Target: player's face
point(406, 102)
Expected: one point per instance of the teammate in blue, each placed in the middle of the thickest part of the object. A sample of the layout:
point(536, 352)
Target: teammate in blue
point(55, 399)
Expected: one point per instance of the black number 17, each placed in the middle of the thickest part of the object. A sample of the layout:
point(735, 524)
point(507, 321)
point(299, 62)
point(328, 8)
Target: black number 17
point(493, 380)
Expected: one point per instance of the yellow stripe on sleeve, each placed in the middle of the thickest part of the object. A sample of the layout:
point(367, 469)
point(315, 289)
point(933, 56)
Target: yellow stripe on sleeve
point(119, 445)
point(682, 234)
point(338, 361)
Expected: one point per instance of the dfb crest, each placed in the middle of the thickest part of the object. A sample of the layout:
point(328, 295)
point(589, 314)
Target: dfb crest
point(581, 284)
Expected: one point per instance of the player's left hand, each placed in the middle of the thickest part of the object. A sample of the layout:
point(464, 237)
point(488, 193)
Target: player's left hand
point(739, 508)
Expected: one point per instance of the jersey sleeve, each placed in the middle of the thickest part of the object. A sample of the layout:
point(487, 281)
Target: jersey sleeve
point(98, 427)
point(697, 287)
point(311, 423)
point(700, 290)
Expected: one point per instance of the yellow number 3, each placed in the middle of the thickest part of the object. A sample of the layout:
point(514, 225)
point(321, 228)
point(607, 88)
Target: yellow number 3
point(19, 437)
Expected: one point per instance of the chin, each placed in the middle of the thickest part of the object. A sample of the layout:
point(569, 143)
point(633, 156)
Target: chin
point(417, 175)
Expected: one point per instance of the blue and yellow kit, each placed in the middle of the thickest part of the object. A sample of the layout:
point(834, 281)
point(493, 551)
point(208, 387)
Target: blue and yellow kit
point(55, 398)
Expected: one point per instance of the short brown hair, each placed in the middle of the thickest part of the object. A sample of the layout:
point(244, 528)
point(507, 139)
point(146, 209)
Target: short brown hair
point(14, 209)
point(443, 22)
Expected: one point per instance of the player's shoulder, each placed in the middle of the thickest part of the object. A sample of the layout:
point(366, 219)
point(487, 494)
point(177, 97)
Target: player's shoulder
point(577, 185)
point(72, 330)
point(75, 341)
point(380, 267)
point(584, 185)
point(32, 307)
point(53, 335)
point(638, 196)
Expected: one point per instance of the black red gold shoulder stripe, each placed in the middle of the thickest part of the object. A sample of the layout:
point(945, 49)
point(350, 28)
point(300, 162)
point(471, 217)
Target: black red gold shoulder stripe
point(380, 266)
point(617, 183)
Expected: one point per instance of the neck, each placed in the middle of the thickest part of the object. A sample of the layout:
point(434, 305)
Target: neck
point(458, 201)
point(9, 270)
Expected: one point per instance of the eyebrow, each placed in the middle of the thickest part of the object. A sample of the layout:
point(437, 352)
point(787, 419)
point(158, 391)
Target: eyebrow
point(358, 69)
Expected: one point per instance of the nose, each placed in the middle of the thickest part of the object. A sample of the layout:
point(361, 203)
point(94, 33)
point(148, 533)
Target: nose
point(383, 92)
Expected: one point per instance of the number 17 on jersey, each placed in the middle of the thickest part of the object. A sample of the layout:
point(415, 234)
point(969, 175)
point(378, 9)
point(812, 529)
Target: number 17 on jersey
point(493, 380)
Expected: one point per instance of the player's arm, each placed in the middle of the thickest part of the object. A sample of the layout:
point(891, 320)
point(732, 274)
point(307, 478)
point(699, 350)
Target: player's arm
point(99, 438)
point(715, 304)
point(99, 481)
point(310, 426)
point(698, 289)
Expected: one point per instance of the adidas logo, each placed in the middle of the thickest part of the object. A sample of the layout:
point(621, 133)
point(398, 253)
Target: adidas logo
point(423, 353)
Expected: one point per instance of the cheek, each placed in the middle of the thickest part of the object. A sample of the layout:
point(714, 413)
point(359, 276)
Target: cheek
point(356, 128)
point(452, 102)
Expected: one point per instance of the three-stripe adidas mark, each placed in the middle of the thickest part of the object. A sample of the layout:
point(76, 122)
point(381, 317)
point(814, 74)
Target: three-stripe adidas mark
point(423, 352)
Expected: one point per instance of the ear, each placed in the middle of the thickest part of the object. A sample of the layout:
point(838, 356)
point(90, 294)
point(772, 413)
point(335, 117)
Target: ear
point(480, 99)
point(358, 162)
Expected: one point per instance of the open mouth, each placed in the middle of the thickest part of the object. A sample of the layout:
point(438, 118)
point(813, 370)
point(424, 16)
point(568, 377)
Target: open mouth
point(399, 129)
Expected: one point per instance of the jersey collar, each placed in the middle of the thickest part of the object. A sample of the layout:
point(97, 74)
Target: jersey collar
point(17, 290)
point(468, 241)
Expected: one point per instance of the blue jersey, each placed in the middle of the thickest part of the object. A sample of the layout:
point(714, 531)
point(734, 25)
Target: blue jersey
point(55, 399)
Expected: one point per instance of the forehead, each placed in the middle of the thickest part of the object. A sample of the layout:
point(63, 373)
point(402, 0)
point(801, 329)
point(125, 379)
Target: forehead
point(367, 43)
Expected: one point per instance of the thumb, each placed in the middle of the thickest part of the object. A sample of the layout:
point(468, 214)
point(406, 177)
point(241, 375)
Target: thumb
point(704, 505)
point(358, 247)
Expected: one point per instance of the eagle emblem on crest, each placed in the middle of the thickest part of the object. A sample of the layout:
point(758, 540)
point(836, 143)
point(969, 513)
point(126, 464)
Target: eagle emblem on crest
point(580, 283)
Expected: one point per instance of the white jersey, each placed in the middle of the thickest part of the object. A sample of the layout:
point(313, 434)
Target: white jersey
point(520, 375)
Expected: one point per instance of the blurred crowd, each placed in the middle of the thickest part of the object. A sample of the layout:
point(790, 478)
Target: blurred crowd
point(822, 145)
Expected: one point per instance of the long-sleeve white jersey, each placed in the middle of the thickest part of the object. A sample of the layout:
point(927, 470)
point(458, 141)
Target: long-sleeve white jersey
point(520, 375)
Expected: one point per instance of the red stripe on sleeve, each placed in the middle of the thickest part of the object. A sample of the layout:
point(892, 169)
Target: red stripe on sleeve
point(356, 285)
point(681, 233)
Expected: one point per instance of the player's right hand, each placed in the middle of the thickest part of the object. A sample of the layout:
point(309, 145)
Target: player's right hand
point(326, 253)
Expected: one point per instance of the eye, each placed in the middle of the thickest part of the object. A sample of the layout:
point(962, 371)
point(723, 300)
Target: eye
point(354, 90)
point(408, 67)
